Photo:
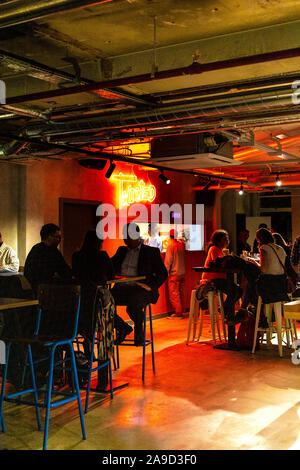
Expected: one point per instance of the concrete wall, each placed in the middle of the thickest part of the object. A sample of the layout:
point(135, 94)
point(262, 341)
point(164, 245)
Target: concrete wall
point(12, 178)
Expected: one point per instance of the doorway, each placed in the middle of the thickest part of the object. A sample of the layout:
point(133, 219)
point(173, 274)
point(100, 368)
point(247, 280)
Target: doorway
point(76, 217)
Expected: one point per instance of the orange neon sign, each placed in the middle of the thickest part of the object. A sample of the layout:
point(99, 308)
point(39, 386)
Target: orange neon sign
point(132, 190)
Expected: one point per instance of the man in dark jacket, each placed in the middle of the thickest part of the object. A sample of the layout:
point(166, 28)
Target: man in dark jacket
point(136, 259)
point(45, 262)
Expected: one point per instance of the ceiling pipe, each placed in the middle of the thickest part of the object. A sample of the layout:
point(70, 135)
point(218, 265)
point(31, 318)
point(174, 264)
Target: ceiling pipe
point(11, 148)
point(23, 111)
point(52, 75)
point(193, 69)
point(123, 159)
point(23, 11)
point(166, 114)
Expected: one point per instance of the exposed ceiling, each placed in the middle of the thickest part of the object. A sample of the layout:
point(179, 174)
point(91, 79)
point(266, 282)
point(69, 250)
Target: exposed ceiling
point(84, 77)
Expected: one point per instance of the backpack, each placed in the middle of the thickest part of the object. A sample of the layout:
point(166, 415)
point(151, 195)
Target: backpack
point(245, 335)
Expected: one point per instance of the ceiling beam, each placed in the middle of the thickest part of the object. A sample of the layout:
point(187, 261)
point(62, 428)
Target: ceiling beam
point(23, 11)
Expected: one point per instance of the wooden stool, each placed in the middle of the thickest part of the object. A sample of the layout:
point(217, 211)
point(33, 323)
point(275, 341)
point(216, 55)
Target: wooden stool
point(279, 329)
point(291, 313)
point(194, 316)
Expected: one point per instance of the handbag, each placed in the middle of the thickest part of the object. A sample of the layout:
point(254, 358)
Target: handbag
point(290, 285)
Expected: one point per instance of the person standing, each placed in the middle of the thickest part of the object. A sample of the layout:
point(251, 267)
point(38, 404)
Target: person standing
point(154, 238)
point(242, 244)
point(9, 262)
point(44, 262)
point(175, 264)
point(255, 243)
point(295, 255)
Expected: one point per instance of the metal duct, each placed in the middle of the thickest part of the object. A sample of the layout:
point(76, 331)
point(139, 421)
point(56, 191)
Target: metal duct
point(163, 114)
point(11, 148)
point(24, 11)
point(23, 111)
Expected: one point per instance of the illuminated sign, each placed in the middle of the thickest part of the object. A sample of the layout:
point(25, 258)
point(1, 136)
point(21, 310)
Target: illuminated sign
point(132, 190)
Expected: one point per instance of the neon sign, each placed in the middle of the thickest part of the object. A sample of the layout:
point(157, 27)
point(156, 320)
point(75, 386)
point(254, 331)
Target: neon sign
point(132, 190)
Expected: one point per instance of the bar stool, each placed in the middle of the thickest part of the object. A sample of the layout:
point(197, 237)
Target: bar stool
point(146, 342)
point(291, 313)
point(60, 306)
point(279, 329)
point(196, 316)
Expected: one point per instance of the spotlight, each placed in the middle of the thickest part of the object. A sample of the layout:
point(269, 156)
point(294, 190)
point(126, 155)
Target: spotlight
point(278, 181)
point(164, 178)
point(110, 170)
point(241, 191)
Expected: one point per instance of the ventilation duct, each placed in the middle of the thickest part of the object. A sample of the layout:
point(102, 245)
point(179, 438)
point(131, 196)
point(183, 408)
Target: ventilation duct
point(203, 150)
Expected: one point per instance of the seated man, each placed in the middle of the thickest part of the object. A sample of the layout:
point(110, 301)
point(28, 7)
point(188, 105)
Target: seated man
point(136, 259)
point(45, 262)
point(9, 262)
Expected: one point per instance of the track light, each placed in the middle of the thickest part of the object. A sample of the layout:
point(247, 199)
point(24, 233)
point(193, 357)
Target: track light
point(278, 181)
point(110, 170)
point(164, 178)
point(241, 191)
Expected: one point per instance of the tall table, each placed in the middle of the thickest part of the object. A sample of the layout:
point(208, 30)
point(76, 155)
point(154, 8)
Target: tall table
point(231, 345)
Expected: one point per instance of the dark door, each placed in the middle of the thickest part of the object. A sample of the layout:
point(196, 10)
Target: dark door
point(76, 217)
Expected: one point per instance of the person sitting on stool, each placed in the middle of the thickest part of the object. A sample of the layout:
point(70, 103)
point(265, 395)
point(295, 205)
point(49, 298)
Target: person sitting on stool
point(136, 259)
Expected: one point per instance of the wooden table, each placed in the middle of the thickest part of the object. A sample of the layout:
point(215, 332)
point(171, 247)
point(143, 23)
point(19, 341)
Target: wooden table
point(7, 303)
point(120, 280)
point(231, 345)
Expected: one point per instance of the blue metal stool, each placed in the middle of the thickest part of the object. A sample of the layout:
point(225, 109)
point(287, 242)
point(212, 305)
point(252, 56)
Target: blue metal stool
point(97, 340)
point(102, 321)
point(57, 299)
point(147, 342)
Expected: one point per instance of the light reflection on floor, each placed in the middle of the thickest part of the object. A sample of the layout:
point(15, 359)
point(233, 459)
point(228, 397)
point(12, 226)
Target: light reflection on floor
point(199, 398)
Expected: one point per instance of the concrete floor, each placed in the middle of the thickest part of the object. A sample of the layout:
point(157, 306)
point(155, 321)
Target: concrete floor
point(199, 398)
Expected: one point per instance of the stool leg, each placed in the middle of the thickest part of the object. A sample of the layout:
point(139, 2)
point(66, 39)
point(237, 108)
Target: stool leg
point(216, 312)
point(37, 410)
point(212, 314)
point(48, 398)
point(144, 347)
point(87, 396)
point(151, 336)
point(277, 308)
point(2, 423)
point(110, 380)
point(256, 323)
point(77, 392)
point(295, 328)
point(288, 332)
point(191, 314)
point(201, 319)
point(221, 302)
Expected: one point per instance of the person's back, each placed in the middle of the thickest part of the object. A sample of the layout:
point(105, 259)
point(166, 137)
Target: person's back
point(272, 258)
point(92, 265)
point(45, 262)
point(175, 258)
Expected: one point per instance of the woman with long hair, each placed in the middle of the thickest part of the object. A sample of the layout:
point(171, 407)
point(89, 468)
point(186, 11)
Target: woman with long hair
point(91, 267)
point(218, 243)
point(271, 285)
